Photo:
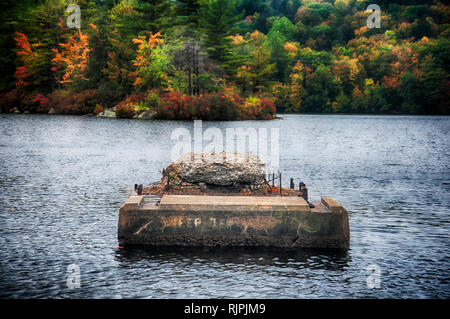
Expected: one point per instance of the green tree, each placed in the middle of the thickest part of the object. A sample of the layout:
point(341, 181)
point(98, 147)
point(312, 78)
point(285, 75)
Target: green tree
point(42, 25)
point(250, 6)
point(408, 91)
point(152, 62)
point(129, 19)
point(257, 70)
point(188, 12)
point(324, 9)
point(217, 20)
point(281, 32)
point(9, 11)
point(322, 90)
point(434, 82)
point(298, 91)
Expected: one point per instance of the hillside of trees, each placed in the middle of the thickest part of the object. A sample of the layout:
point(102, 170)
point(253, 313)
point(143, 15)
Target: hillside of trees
point(225, 59)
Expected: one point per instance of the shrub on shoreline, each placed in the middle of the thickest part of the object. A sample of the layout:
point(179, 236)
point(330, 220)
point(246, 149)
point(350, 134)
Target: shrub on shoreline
point(128, 107)
point(256, 108)
point(172, 105)
point(124, 111)
point(219, 106)
point(44, 103)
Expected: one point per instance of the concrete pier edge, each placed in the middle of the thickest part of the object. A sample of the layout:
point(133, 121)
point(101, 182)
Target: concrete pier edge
point(243, 221)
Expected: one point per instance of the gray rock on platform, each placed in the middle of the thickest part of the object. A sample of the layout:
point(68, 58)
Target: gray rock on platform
point(220, 169)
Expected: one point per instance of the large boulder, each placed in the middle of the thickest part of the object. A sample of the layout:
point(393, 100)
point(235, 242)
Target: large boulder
point(147, 115)
point(107, 113)
point(230, 170)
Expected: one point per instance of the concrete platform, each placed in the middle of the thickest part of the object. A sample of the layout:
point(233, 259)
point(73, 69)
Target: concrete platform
point(246, 221)
point(217, 203)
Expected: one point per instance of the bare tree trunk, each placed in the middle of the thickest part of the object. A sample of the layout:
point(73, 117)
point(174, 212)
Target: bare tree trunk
point(196, 71)
point(190, 66)
point(190, 80)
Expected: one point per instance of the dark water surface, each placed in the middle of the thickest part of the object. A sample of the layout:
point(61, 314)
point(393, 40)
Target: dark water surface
point(63, 179)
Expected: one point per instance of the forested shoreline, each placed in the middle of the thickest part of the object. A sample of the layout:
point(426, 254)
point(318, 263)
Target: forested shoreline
point(224, 59)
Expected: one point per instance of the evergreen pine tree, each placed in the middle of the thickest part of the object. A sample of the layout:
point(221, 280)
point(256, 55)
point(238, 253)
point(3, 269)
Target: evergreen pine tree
point(217, 20)
point(187, 12)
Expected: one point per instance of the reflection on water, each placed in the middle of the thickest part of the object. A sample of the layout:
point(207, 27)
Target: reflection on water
point(295, 259)
point(63, 179)
point(217, 272)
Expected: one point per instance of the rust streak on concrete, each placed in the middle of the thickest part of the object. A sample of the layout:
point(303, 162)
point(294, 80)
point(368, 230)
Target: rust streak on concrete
point(143, 227)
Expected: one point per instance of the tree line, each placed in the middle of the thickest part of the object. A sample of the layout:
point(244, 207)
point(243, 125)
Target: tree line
point(225, 59)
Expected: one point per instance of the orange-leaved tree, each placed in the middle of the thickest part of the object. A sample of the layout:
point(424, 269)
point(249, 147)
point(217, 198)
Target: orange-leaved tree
point(298, 91)
point(151, 62)
point(28, 59)
point(71, 61)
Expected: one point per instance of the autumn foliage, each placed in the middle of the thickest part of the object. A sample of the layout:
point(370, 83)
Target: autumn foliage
point(226, 59)
point(223, 105)
point(147, 70)
point(26, 57)
point(44, 103)
point(71, 59)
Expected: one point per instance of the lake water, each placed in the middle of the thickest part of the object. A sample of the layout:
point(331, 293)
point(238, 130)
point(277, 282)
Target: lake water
point(63, 179)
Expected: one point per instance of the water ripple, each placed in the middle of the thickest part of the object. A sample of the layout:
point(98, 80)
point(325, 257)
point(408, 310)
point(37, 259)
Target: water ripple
point(64, 178)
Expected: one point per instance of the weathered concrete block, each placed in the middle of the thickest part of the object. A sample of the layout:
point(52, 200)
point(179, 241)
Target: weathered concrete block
point(249, 221)
point(133, 202)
